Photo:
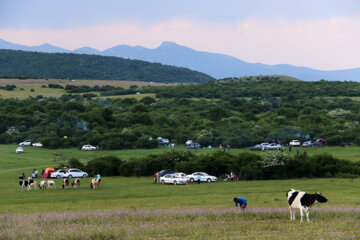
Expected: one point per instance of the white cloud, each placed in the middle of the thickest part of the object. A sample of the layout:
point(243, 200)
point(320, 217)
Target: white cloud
point(327, 44)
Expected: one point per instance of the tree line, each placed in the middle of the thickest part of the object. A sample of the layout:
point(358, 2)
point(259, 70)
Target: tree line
point(239, 113)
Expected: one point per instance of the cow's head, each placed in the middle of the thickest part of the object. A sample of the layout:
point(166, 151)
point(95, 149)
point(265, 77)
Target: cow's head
point(320, 198)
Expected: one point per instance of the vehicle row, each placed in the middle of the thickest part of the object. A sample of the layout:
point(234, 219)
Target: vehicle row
point(68, 173)
point(267, 146)
point(182, 178)
point(293, 143)
point(28, 143)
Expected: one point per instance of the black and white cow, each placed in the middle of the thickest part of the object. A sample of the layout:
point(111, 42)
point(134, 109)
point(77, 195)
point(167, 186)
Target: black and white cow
point(26, 183)
point(66, 183)
point(76, 182)
point(42, 184)
point(303, 201)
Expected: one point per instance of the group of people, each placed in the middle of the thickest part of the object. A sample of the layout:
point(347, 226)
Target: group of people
point(33, 175)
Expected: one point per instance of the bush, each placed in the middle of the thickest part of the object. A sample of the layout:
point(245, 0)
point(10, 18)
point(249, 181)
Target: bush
point(75, 163)
point(106, 166)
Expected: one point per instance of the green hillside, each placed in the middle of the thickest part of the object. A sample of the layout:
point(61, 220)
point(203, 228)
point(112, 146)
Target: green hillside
point(76, 66)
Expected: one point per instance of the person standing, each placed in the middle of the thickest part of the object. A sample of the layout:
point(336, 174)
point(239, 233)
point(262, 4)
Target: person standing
point(198, 179)
point(240, 202)
point(158, 177)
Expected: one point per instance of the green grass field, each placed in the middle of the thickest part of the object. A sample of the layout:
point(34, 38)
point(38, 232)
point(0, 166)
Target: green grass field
point(134, 208)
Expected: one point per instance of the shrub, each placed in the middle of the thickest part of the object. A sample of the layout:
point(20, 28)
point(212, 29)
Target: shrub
point(106, 166)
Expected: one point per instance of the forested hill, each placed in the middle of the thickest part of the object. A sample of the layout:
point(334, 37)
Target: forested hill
point(64, 65)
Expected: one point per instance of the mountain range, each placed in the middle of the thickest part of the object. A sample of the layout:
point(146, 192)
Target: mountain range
point(214, 64)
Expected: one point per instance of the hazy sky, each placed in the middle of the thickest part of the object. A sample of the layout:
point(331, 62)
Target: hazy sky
point(322, 34)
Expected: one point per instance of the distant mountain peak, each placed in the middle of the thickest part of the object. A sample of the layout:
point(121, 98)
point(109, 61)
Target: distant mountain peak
point(168, 44)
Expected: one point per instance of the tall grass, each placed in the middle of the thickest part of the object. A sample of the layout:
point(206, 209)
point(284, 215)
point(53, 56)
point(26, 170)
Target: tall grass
point(328, 223)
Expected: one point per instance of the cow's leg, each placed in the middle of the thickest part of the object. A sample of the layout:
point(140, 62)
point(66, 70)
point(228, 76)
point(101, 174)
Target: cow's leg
point(307, 210)
point(291, 213)
point(301, 214)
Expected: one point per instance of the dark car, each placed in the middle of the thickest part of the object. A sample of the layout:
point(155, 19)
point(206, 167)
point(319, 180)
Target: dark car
point(164, 172)
point(194, 145)
point(321, 140)
point(256, 148)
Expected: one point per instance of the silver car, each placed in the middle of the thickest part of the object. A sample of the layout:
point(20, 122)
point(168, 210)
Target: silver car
point(74, 172)
point(19, 150)
point(58, 173)
point(172, 179)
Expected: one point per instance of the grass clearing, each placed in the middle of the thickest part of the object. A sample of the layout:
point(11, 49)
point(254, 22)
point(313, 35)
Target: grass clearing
point(24, 86)
point(134, 208)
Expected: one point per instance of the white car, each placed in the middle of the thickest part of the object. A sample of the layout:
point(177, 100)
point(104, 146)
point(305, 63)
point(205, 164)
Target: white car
point(274, 146)
point(19, 150)
point(58, 173)
point(181, 175)
point(188, 142)
point(204, 177)
point(172, 179)
point(74, 172)
point(295, 143)
point(25, 143)
point(88, 148)
point(37, 144)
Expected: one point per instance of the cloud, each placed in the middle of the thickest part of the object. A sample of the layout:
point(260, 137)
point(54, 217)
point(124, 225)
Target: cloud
point(331, 43)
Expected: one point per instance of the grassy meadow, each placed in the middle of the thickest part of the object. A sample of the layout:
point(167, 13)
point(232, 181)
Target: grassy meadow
point(134, 208)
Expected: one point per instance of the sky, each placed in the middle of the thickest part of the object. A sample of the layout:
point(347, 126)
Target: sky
point(320, 34)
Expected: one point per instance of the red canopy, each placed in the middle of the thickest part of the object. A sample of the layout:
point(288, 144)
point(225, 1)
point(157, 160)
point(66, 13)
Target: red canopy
point(48, 172)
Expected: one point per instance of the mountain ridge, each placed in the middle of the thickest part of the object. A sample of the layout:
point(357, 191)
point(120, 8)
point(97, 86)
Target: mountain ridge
point(216, 65)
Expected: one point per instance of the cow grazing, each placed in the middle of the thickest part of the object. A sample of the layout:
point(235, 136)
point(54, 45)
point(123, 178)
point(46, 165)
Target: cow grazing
point(95, 181)
point(33, 184)
point(76, 182)
point(302, 201)
point(42, 185)
point(25, 183)
point(51, 184)
point(65, 183)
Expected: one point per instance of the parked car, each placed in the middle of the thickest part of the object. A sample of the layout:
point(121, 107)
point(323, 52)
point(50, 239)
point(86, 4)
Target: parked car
point(204, 177)
point(58, 173)
point(275, 146)
point(316, 143)
point(308, 144)
point(88, 148)
point(295, 143)
point(321, 140)
point(164, 172)
point(173, 179)
point(257, 147)
point(19, 150)
point(37, 144)
point(181, 175)
point(164, 141)
point(73, 172)
point(194, 146)
point(188, 142)
point(25, 143)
